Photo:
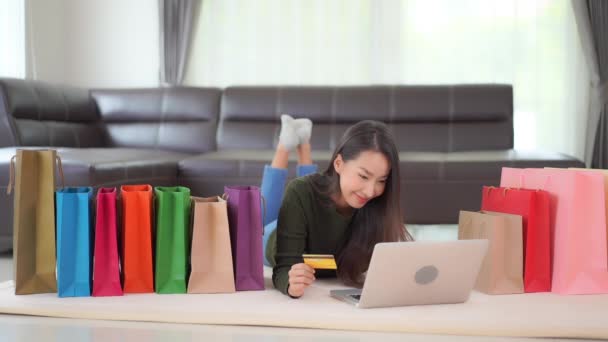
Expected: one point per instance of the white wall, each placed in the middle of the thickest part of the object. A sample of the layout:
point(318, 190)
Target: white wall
point(95, 43)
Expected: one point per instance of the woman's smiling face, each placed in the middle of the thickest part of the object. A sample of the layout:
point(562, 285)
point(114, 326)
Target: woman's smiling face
point(361, 179)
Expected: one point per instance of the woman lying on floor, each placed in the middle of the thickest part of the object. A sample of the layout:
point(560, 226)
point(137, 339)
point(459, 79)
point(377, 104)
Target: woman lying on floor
point(343, 211)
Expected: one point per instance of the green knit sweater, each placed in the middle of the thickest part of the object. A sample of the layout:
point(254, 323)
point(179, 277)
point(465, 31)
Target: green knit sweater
point(305, 226)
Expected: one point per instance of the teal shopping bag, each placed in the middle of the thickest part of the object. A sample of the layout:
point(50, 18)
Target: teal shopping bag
point(74, 248)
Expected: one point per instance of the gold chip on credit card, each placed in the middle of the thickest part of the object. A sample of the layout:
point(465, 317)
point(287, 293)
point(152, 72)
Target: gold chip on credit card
point(320, 261)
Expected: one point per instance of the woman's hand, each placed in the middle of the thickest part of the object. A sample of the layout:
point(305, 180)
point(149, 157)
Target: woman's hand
point(301, 276)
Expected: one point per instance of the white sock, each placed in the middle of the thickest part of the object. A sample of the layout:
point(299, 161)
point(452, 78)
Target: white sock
point(288, 137)
point(303, 129)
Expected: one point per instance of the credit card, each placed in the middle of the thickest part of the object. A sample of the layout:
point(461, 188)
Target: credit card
point(320, 261)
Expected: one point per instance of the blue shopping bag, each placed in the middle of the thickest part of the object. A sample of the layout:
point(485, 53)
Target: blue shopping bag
point(74, 248)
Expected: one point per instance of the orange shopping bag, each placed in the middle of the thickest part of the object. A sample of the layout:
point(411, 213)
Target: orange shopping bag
point(136, 258)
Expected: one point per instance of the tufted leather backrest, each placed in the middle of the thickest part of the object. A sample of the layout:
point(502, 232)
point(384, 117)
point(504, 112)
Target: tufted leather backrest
point(181, 118)
point(441, 118)
point(34, 113)
point(423, 118)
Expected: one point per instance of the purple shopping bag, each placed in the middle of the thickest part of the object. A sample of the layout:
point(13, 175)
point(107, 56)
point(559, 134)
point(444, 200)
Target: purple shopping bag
point(246, 232)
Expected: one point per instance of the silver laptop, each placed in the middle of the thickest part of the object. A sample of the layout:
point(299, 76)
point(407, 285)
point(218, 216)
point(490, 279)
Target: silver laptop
point(418, 273)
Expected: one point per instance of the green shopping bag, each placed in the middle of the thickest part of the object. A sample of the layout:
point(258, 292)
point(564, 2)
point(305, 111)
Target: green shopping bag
point(172, 239)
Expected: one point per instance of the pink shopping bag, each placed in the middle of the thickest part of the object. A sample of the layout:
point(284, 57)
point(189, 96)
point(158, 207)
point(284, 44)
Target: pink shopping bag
point(106, 271)
point(578, 225)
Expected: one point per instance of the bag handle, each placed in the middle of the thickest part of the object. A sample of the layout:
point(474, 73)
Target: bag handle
point(264, 215)
point(521, 182)
point(547, 181)
point(11, 174)
point(60, 167)
point(490, 188)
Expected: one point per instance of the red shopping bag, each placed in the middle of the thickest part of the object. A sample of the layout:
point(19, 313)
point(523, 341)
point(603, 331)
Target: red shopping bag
point(533, 207)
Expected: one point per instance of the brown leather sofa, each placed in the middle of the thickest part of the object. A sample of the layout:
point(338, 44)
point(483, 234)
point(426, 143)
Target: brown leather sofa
point(452, 138)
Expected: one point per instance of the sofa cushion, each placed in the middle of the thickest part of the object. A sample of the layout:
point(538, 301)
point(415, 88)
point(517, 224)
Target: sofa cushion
point(180, 119)
point(441, 118)
point(107, 166)
point(34, 113)
point(116, 166)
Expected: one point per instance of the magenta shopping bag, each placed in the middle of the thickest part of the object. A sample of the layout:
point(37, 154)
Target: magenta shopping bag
point(246, 232)
point(106, 271)
point(577, 222)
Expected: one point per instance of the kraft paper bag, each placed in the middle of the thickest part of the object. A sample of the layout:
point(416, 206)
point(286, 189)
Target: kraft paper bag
point(34, 256)
point(502, 268)
point(211, 255)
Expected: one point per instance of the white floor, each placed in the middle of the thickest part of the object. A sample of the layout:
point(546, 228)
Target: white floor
point(6, 267)
point(25, 328)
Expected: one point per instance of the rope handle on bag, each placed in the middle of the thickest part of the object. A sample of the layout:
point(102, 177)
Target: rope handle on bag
point(504, 190)
point(263, 216)
point(547, 181)
point(11, 173)
point(521, 185)
point(521, 180)
point(60, 167)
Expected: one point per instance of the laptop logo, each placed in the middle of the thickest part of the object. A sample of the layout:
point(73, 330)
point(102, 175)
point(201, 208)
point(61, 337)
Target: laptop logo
point(426, 275)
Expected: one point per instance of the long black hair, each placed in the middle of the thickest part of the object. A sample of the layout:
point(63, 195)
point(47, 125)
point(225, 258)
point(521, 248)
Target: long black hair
point(381, 219)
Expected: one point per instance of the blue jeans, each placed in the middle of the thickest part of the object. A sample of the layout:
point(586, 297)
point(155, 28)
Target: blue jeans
point(272, 188)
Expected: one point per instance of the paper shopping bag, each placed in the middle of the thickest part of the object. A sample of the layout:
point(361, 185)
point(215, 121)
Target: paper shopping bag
point(502, 269)
point(246, 233)
point(34, 253)
point(578, 225)
point(211, 255)
point(533, 207)
point(106, 264)
point(136, 251)
point(74, 236)
point(172, 239)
